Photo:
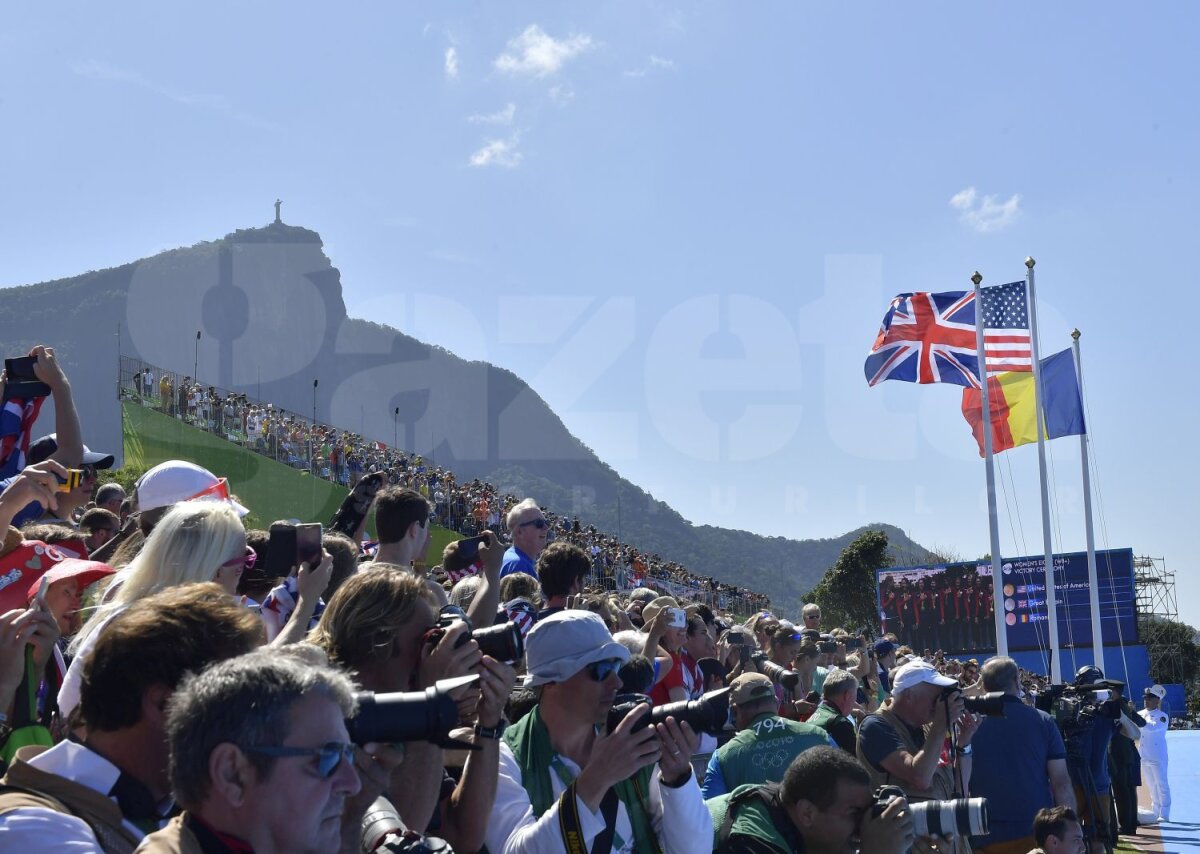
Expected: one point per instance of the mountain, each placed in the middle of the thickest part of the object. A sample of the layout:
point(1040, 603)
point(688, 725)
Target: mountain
point(268, 307)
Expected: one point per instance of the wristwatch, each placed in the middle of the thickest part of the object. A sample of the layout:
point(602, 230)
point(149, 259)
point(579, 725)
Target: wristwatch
point(491, 731)
point(963, 751)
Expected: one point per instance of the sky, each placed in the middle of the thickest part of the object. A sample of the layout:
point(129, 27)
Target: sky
point(681, 224)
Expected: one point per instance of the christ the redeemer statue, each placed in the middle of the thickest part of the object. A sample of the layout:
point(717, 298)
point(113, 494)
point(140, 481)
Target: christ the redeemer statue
point(278, 204)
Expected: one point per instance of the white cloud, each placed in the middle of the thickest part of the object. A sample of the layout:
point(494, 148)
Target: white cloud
point(562, 94)
point(654, 63)
point(538, 54)
point(451, 63)
point(986, 214)
point(500, 117)
point(659, 62)
point(641, 72)
point(963, 199)
point(498, 152)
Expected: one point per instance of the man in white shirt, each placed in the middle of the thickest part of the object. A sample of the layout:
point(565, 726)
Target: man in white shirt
point(138, 660)
point(1153, 747)
point(564, 780)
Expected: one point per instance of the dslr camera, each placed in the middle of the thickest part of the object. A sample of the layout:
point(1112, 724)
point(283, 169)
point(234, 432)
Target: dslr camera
point(956, 817)
point(427, 715)
point(781, 676)
point(990, 704)
point(709, 714)
point(502, 642)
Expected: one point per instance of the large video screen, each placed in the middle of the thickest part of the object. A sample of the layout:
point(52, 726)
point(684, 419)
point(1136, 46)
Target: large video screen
point(950, 606)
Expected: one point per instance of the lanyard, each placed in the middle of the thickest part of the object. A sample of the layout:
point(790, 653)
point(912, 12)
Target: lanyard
point(568, 779)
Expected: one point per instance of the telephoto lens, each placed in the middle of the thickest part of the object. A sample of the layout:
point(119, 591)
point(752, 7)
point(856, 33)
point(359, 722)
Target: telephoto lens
point(427, 715)
point(789, 679)
point(708, 714)
point(990, 704)
point(958, 817)
point(502, 642)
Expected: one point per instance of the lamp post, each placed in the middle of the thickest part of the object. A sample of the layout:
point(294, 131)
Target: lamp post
point(196, 360)
point(396, 429)
point(312, 432)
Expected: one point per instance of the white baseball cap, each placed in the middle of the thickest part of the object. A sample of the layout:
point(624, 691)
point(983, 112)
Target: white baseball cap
point(919, 672)
point(1157, 690)
point(178, 480)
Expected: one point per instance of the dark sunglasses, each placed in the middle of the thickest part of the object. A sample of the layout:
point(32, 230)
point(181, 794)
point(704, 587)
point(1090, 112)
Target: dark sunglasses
point(537, 523)
point(601, 670)
point(247, 560)
point(329, 756)
point(812, 616)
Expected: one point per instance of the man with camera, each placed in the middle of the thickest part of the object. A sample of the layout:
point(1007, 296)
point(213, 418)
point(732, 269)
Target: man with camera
point(823, 806)
point(838, 697)
point(765, 743)
point(564, 784)
point(902, 743)
point(1020, 764)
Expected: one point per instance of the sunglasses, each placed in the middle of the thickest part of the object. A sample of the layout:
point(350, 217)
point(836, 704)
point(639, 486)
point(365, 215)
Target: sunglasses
point(247, 560)
point(812, 616)
point(601, 670)
point(329, 756)
point(537, 523)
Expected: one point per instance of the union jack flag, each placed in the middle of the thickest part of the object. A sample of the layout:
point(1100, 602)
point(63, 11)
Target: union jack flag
point(930, 337)
point(16, 425)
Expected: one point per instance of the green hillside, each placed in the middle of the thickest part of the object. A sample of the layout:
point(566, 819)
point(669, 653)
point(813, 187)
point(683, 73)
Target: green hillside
point(271, 490)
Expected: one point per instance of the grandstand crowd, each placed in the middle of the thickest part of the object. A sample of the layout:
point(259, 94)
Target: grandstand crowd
point(466, 507)
point(171, 682)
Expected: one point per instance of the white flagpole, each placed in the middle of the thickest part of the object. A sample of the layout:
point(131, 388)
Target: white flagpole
point(1051, 595)
point(1093, 586)
point(989, 469)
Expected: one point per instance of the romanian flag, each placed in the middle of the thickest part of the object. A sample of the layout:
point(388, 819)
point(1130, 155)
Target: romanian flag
point(1012, 402)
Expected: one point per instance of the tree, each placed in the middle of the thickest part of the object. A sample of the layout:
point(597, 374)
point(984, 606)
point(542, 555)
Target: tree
point(846, 593)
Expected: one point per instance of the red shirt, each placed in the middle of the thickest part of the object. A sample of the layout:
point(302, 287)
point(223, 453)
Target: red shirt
point(660, 695)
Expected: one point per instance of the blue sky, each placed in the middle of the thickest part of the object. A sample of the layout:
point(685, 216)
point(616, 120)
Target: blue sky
point(681, 224)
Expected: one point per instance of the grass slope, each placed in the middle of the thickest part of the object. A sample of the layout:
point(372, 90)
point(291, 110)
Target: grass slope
point(270, 489)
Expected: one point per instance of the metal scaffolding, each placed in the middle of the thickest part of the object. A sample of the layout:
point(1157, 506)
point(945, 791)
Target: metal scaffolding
point(1157, 608)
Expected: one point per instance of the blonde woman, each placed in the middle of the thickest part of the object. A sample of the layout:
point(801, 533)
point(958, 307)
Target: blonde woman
point(195, 541)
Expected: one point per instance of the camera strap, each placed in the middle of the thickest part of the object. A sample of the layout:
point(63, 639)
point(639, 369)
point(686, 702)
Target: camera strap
point(569, 826)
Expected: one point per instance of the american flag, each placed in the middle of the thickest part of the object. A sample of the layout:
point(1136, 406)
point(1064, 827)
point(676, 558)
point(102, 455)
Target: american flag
point(1006, 328)
point(930, 337)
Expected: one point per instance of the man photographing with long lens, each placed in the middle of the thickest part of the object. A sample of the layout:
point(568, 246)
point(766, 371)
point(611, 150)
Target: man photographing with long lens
point(901, 744)
point(567, 786)
point(823, 805)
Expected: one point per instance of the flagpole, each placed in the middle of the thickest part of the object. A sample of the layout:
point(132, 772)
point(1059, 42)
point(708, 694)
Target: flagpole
point(1093, 586)
point(990, 471)
point(1047, 538)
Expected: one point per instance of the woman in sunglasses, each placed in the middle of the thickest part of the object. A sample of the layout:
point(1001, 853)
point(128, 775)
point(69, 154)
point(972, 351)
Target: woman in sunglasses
point(195, 541)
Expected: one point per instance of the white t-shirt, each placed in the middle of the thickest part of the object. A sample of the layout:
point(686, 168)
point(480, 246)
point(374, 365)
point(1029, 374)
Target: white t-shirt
point(1153, 744)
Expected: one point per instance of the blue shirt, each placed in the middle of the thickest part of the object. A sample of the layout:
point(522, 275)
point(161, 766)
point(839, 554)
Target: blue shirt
point(31, 512)
point(516, 560)
point(1014, 748)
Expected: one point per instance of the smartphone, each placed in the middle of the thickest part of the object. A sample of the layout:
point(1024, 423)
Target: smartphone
point(468, 549)
point(308, 544)
point(678, 618)
point(71, 481)
point(281, 550)
point(827, 646)
point(22, 381)
point(853, 643)
point(39, 600)
point(736, 637)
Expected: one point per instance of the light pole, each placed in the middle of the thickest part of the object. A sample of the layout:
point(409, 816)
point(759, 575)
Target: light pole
point(196, 361)
point(396, 429)
point(312, 433)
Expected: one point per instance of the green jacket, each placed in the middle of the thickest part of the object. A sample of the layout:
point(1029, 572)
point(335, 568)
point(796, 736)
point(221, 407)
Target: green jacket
point(839, 727)
point(762, 751)
point(751, 820)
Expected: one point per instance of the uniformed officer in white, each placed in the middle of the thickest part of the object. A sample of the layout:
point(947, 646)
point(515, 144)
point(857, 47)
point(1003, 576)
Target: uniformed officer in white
point(1153, 747)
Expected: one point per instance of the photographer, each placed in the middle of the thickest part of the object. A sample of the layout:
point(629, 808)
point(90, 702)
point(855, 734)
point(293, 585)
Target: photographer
point(838, 696)
point(1097, 726)
point(902, 743)
point(1020, 764)
point(565, 785)
point(765, 743)
point(378, 625)
point(823, 806)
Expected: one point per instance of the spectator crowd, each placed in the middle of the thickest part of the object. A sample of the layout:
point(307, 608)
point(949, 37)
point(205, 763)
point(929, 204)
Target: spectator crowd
point(172, 682)
point(467, 507)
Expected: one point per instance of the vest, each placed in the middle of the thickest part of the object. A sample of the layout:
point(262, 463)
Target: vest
point(942, 787)
point(754, 811)
point(26, 786)
point(762, 751)
point(172, 839)
point(824, 715)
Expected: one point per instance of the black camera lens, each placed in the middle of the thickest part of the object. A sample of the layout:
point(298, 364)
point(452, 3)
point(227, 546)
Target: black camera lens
point(503, 642)
point(427, 715)
point(990, 704)
point(788, 679)
point(708, 714)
